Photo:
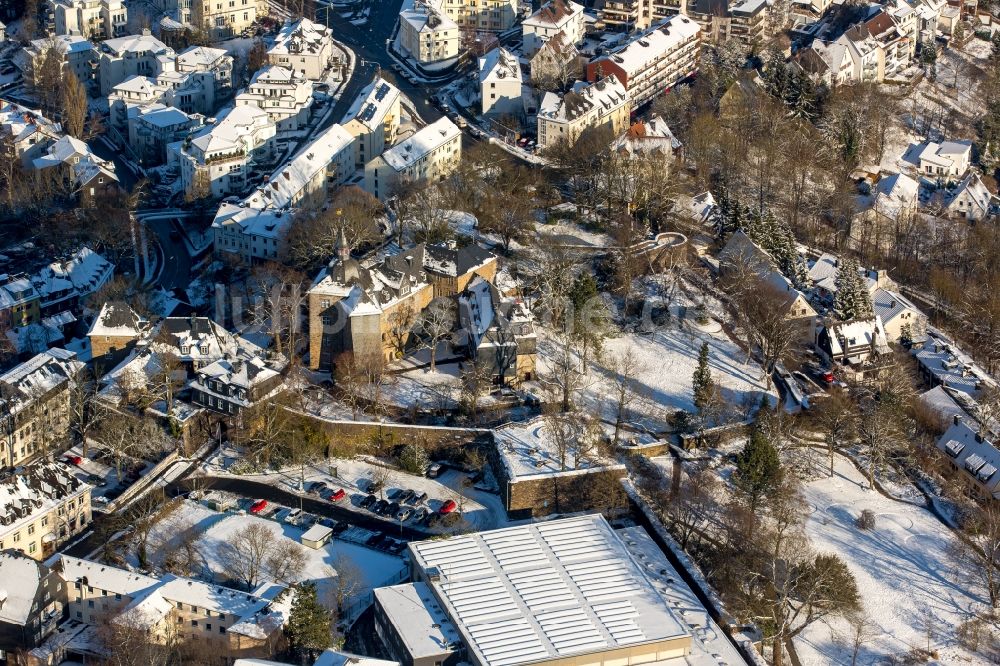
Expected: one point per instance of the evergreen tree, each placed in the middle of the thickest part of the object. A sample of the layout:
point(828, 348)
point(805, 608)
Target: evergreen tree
point(758, 470)
point(308, 628)
point(589, 316)
point(704, 386)
point(852, 300)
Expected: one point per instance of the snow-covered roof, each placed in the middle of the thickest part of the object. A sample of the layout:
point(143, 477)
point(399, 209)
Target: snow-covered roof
point(64, 44)
point(35, 491)
point(949, 365)
point(975, 455)
point(373, 103)
point(973, 191)
point(607, 94)
point(709, 644)
point(117, 319)
point(555, 13)
point(647, 137)
point(699, 207)
point(944, 154)
point(119, 46)
point(499, 65)
point(20, 577)
point(200, 57)
point(426, 17)
point(264, 223)
point(850, 338)
point(895, 195)
point(229, 131)
point(291, 179)
point(529, 450)
point(546, 591)
point(36, 377)
point(652, 44)
point(941, 403)
point(164, 117)
point(421, 624)
point(303, 36)
point(80, 274)
point(424, 141)
point(332, 657)
point(22, 122)
point(245, 372)
point(889, 304)
point(62, 151)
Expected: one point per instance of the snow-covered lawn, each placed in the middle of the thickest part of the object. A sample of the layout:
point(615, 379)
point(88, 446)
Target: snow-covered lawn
point(905, 575)
point(215, 529)
point(666, 360)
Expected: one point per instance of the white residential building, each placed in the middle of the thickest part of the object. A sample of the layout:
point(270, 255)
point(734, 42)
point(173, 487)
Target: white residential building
point(41, 507)
point(207, 59)
point(900, 317)
point(304, 47)
point(222, 19)
point(648, 138)
point(135, 55)
point(250, 235)
point(78, 56)
point(427, 34)
point(218, 161)
point(154, 128)
point(971, 200)
point(480, 15)
point(562, 118)
point(306, 179)
point(553, 17)
point(3, 32)
point(93, 19)
point(973, 455)
point(653, 61)
point(429, 155)
point(500, 83)
point(946, 161)
point(373, 120)
point(284, 95)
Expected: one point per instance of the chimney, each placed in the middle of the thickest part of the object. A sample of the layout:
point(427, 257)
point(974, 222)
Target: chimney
point(956, 419)
point(979, 438)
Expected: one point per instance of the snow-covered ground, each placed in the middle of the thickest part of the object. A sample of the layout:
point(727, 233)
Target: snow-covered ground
point(666, 360)
point(213, 530)
point(905, 575)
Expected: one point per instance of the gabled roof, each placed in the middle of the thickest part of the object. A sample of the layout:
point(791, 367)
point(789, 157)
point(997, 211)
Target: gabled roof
point(302, 37)
point(118, 319)
point(607, 94)
point(424, 141)
point(889, 304)
point(372, 103)
point(20, 580)
point(976, 456)
point(499, 65)
point(555, 13)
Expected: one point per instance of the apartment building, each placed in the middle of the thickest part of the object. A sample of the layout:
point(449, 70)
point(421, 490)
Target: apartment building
point(654, 61)
point(284, 95)
point(479, 15)
point(35, 399)
point(29, 132)
point(250, 235)
point(218, 161)
point(625, 15)
point(430, 154)
point(135, 55)
point(500, 83)
point(33, 600)
point(231, 385)
point(43, 506)
point(156, 127)
point(77, 54)
point(563, 117)
point(19, 300)
point(218, 62)
point(222, 19)
point(222, 620)
point(93, 19)
point(747, 21)
point(304, 47)
point(427, 34)
point(555, 16)
point(373, 120)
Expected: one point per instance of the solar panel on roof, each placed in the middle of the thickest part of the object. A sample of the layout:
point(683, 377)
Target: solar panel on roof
point(381, 92)
point(367, 113)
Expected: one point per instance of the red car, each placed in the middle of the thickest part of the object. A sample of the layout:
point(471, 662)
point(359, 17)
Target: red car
point(258, 506)
point(74, 460)
point(447, 507)
point(337, 495)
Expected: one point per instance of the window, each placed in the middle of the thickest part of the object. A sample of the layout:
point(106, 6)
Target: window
point(222, 630)
point(194, 623)
point(32, 547)
point(208, 627)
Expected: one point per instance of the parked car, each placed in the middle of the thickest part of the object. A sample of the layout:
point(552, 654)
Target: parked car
point(380, 507)
point(340, 527)
point(374, 539)
point(368, 502)
point(96, 480)
point(337, 495)
point(328, 522)
point(447, 507)
point(433, 519)
point(392, 509)
point(434, 470)
point(316, 488)
point(420, 515)
point(406, 497)
point(398, 547)
point(394, 493)
point(74, 460)
point(257, 506)
point(294, 517)
point(404, 513)
point(418, 499)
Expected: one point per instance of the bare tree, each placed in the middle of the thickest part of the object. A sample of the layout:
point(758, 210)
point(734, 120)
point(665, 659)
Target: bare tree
point(379, 479)
point(565, 376)
point(400, 326)
point(476, 380)
point(979, 546)
point(625, 367)
point(244, 555)
point(285, 561)
point(74, 104)
point(836, 416)
point(434, 326)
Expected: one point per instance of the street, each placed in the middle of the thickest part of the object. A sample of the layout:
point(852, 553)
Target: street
point(175, 260)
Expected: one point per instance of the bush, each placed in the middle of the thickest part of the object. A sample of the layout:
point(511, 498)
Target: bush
point(866, 520)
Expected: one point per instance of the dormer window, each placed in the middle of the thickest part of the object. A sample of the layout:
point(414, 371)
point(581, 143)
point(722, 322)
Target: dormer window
point(185, 349)
point(203, 349)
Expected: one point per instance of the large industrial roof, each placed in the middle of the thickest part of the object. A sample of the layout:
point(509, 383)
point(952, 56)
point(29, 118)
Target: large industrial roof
point(545, 591)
